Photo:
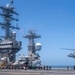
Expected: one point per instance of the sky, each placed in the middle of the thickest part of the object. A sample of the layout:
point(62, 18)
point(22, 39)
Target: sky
point(54, 20)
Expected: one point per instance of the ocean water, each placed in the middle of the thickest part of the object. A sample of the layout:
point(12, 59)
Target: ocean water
point(61, 66)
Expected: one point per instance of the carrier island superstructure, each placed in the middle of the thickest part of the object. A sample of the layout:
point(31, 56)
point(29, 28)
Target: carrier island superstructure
point(9, 46)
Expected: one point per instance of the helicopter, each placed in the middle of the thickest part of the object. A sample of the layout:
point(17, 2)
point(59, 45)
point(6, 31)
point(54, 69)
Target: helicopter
point(72, 55)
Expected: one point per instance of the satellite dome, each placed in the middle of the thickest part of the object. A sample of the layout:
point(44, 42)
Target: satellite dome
point(13, 31)
point(7, 5)
point(38, 46)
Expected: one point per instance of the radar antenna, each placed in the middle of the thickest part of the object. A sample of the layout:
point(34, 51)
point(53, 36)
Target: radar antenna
point(11, 1)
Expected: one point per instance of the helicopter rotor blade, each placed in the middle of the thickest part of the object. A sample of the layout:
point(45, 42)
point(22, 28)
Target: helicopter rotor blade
point(68, 49)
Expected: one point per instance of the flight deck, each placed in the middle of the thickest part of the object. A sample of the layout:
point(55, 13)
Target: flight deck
point(38, 72)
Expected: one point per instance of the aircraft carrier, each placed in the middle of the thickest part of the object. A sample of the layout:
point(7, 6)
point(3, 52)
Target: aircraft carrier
point(9, 46)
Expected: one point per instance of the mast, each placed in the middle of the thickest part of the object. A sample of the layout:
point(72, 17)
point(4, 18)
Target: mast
point(31, 36)
point(7, 14)
point(32, 51)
